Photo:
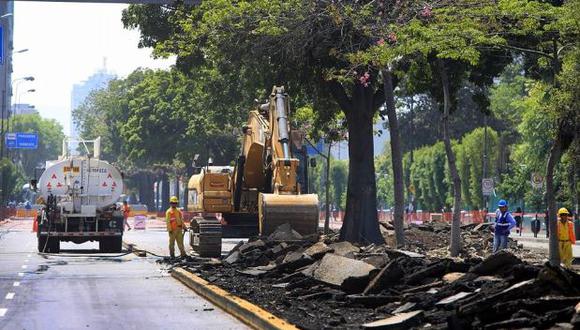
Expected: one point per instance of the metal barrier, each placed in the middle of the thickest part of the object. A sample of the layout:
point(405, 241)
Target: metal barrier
point(467, 217)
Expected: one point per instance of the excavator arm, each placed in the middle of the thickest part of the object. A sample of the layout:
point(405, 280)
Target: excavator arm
point(282, 201)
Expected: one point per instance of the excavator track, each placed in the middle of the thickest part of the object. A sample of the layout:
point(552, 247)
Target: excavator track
point(206, 237)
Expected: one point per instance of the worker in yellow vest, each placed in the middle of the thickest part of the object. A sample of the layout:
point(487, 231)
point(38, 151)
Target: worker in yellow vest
point(175, 226)
point(566, 237)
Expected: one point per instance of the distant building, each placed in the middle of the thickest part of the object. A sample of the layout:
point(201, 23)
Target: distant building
point(23, 109)
point(80, 91)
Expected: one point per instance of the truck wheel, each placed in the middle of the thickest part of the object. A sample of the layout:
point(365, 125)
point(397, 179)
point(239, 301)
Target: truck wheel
point(116, 244)
point(42, 244)
point(104, 246)
point(54, 244)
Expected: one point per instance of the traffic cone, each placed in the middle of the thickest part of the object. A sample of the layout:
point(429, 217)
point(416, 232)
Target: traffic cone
point(35, 225)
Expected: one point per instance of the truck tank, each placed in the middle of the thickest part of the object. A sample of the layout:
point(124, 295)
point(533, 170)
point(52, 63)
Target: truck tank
point(86, 181)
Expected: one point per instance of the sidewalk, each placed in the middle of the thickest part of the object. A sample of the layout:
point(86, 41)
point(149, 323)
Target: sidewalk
point(541, 242)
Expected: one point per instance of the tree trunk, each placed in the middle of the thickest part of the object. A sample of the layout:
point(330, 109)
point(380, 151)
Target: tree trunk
point(360, 220)
point(146, 186)
point(164, 192)
point(327, 191)
point(396, 158)
point(455, 245)
point(553, 159)
point(157, 195)
point(176, 186)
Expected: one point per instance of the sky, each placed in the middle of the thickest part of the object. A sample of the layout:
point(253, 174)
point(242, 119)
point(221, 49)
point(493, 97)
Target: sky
point(67, 43)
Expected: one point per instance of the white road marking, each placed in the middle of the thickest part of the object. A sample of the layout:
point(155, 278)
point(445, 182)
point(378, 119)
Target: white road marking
point(24, 266)
point(28, 255)
point(20, 274)
point(16, 284)
point(10, 295)
point(3, 311)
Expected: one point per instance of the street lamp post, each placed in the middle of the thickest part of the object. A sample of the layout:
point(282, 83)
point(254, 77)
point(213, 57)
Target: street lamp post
point(16, 82)
point(18, 98)
point(5, 66)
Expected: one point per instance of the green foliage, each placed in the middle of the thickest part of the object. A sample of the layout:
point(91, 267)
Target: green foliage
point(384, 170)
point(103, 114)
point(427, 173)
point(12, 180)
point(470, 164)
point(50, 137)
point(157, 118)
point(428, 177)
point(338, 181)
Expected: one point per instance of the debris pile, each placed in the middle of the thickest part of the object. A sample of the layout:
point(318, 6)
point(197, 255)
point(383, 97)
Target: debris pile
point(318, 283)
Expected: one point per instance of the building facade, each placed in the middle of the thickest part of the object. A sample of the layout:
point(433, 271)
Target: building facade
point(23, 109)
point(82, 90)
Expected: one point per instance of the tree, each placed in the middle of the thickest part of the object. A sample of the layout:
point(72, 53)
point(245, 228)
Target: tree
point(295, 43)
point(132, 114)
point(50, 137)
point(546, 33)
point(12, 181)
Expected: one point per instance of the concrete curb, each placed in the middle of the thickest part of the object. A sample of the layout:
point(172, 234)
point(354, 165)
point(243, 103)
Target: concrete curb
point(243, 310)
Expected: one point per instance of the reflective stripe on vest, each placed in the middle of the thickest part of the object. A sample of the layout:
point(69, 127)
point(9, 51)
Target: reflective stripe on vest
point(173, 220)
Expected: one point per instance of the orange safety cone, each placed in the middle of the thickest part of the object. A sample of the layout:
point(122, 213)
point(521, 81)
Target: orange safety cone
point(34, 225)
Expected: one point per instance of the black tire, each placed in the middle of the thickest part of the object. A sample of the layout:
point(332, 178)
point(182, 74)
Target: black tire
point(104, 245)
point(116, 244)
point(42, 244)
point(54, 244)
point(48, 244)
point(111, 244)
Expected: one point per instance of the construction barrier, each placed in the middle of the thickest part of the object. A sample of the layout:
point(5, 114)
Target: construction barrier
point(139, 222)
point(466, 217)
point(25, 214)
point(140, 212)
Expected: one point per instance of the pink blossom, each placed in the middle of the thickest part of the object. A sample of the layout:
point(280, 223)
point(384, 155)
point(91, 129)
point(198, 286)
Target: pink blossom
point(426, 11)
point(364, 79)
point(381, 42)
point(392, 37)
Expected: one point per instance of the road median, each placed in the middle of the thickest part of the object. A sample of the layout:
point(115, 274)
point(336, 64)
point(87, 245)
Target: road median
point(243, 310)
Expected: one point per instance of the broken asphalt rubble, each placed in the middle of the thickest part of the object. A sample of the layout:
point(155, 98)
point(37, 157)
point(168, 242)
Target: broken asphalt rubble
point(316, 282)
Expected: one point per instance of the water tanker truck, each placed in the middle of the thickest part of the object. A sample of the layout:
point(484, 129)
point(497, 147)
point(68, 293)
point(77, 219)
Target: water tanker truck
point(79, 195)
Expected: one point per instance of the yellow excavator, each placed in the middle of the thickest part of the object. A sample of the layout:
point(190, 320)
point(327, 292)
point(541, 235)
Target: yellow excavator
point(266, 188)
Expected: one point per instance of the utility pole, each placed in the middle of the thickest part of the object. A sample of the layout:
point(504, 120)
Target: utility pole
point(327, 188)
point(485, 197)
point(327, 183)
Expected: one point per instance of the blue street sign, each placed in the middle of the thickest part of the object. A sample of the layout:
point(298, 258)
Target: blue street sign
point(22, 140)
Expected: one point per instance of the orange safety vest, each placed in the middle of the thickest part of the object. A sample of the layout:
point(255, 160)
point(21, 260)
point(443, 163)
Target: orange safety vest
point(562, 232)
point(126, 211)
point(174, 219)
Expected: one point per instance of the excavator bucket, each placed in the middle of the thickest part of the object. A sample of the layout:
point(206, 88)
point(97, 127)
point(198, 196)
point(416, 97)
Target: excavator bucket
point(300, 211)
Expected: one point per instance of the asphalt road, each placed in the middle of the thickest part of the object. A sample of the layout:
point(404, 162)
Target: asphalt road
point(76, 291)
point(157, 241)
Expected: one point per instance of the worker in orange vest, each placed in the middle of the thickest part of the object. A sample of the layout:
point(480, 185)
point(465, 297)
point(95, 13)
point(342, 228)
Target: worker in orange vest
point(566, 237)
point(126, 211)
point(175, 227)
